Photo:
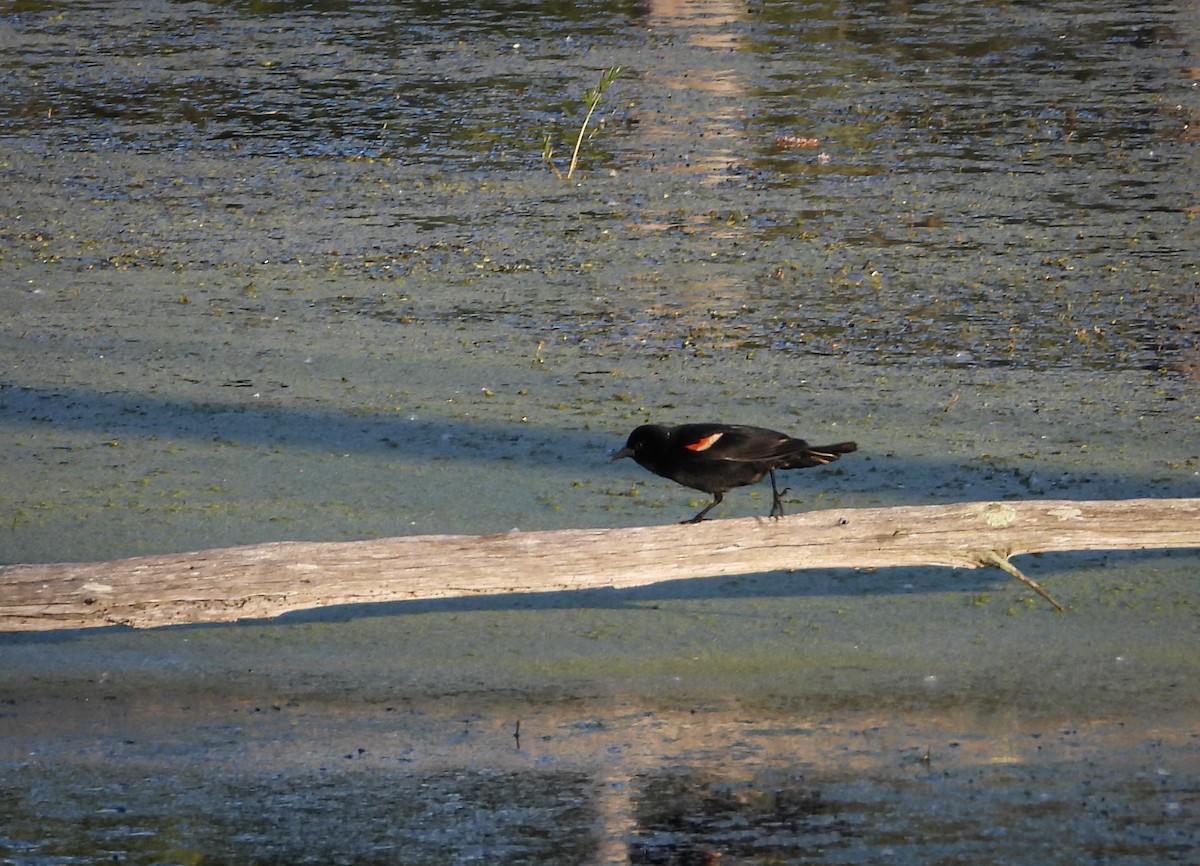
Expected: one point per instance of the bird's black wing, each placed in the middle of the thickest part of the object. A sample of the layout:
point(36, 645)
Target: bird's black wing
point(736, 442)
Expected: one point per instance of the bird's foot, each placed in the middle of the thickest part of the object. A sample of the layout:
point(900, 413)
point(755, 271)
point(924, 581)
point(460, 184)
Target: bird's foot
point(777, 502)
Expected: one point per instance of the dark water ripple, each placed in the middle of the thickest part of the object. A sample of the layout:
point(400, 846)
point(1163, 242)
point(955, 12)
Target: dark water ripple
point(996, 185)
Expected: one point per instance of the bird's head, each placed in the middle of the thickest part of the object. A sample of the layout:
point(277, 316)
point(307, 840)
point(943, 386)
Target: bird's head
point(639, 439)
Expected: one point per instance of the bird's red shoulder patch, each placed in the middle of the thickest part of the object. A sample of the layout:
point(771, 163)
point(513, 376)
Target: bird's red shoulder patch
point(704, 443)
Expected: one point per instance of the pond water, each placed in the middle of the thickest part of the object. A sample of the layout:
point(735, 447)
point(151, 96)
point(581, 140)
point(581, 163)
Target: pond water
point(238, 229)
point(275, 270)
point(987, 185)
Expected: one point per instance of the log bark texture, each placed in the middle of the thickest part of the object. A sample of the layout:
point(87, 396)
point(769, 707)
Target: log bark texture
point(266, 580)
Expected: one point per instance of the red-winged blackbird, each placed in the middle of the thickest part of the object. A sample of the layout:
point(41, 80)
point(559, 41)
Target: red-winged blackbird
point(717, 457)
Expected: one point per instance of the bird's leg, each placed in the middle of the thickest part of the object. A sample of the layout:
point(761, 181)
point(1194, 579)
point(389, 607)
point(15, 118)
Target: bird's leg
point(777, 497)
point(717, 497)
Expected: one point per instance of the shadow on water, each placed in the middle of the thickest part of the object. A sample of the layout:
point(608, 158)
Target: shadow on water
point(114, 413)
point(849, 584)
point(825, 583)
point(822, 583)
point(109, 414)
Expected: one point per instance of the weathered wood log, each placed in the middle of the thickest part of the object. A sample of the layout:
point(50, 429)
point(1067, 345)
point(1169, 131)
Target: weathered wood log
point(266, 580)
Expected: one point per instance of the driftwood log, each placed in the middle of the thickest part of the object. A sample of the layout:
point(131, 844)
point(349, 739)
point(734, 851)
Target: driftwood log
point(266, 580)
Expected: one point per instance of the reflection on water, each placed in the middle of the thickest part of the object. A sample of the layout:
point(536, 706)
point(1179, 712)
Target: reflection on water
point(978, 185)
point(643, 788)
point(712, 29)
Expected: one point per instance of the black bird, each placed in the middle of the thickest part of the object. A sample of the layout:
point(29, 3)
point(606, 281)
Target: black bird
point(718, 457)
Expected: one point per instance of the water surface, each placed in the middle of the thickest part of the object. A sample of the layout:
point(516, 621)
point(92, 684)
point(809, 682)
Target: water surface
point(301, 270)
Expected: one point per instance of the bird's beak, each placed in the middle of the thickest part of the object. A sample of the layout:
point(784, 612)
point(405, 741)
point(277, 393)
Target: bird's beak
point(624, 452)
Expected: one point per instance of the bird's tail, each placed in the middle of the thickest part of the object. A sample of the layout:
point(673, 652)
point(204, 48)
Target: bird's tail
point(819, 455)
